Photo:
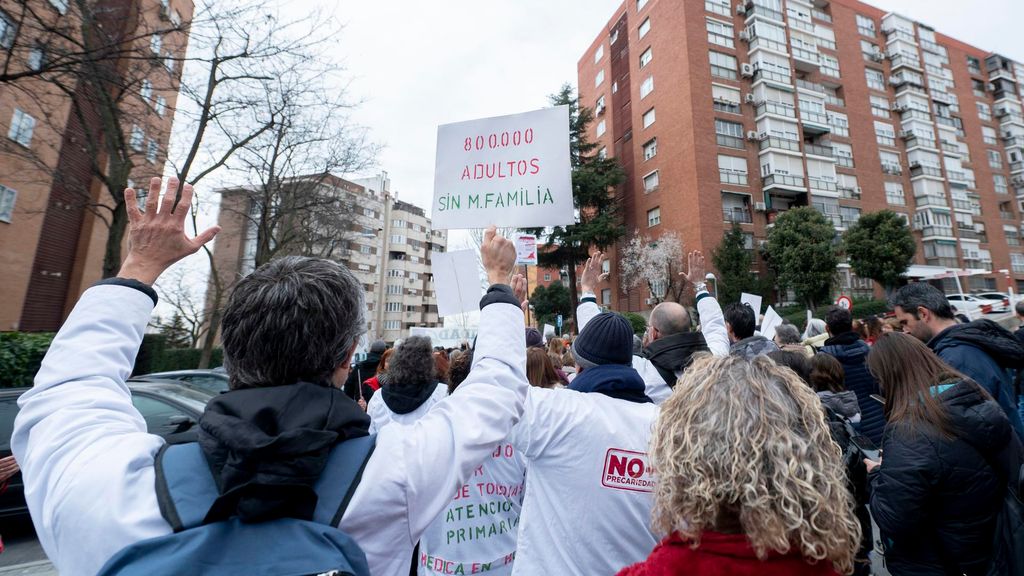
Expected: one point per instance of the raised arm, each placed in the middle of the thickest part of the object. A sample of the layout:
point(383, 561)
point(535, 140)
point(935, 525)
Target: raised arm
point(592, 274)
point(86, 455)
point(712, 322)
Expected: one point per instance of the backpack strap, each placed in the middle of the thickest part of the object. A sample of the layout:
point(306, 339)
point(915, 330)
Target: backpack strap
point(186, 490)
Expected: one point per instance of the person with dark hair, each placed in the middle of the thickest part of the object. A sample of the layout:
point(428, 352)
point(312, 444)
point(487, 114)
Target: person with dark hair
point(795, 361)
point(363, 370)
point(873, 329)
point(846, 346)
point(441, 366)
point(539, 369)
point(670, 340)
point(289, 331)
point(829, 380)
point(740, 322)
point(409, 388)
point(947, 449)
point(981, 350)
point(370, 386)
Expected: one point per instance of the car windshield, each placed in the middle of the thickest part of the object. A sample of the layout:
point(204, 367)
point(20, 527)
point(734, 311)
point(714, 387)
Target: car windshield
point(191, 397)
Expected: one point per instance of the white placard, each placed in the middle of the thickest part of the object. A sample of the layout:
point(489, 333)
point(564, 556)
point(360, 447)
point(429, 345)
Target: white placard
point(508, 170)
point(549, 331)
point(447, 337)
point(526, 249)
point(754, 301)
point(771, 321)
point(456, 281)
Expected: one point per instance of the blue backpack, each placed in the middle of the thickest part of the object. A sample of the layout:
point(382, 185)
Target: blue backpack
point(186, 490)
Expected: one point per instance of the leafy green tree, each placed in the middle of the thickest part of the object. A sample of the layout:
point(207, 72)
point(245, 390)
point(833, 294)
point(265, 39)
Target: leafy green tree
point(733, 262)
point(548, 302)
point(881, 247)
point(802, 252)
point(594, 180)
point(638, 322)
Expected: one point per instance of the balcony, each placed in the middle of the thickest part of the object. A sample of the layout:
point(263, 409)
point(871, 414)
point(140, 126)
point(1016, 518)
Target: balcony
point(927, 200)
point(914, 114)
point(812, 86)
point(760, 74)
point(951, 149)
point(1016, 167)
point(890, 168)
point(849, 193)
point(783, 182)
point(950, 121)
point(776, 108)
point(957, 177)
point(962, 204)
point(773, 142)
point(915, 141)
point(760, 42)
point(732, 177)
point(819, 150)
point(894, 33)
point(755, 10)
point(931, 231)
point(814, 122)
point(804, 59)
point(1014, 141)
point(730, 141)
point(902, 60)
point(844, 161)
point(1008, 216)
point(737, 215)
point(932, 47)
point(822, 184)
point(943, 262)
point(918, 169)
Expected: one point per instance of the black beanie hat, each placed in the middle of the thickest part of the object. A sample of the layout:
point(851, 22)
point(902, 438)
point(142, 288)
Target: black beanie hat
point(606, 339)
point(533, 338)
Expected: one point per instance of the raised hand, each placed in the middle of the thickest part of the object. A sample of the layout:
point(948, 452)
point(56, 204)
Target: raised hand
point(156, 238)
point(498, 256)
point(8, 468)
point(592, 272)
point(695, 268)
point(519, 289)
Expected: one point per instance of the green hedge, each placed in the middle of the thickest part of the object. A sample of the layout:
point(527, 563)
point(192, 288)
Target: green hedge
point(861, 309)
point(20, 356)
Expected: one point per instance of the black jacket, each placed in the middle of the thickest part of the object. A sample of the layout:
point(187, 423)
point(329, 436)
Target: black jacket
point(359, 374)
point(935, 499)
point(852, 352)
point(672, 354)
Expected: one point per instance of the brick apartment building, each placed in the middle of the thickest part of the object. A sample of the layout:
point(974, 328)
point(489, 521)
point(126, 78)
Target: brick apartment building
point(387, 246)
point(729, 112)
point(52, 235)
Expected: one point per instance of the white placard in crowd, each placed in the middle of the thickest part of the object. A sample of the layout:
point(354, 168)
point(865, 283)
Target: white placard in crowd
point(507, 170)
point(754, 301)
point(549, 331)
point(456, 281)
point(771, 321)
point(447, 337)
point(526, 249)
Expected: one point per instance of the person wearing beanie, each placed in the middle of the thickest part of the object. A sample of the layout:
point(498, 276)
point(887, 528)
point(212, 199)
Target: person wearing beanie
point(587, 503)
point(533, 338)
point(670, 341)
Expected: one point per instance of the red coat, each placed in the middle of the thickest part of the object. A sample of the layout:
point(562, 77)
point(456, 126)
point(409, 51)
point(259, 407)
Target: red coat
point(722, 555)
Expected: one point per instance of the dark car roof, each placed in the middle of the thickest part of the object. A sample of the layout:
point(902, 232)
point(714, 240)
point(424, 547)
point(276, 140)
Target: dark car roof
point(179, 373)
point(192, 397)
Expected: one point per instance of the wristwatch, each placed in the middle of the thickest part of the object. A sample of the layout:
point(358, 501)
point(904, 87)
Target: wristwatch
point(699, 287)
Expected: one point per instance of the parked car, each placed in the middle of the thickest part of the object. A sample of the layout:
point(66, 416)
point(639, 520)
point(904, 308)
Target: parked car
point(212, 381)
point(970, 305)
point(171, 410)
point(1000, 301)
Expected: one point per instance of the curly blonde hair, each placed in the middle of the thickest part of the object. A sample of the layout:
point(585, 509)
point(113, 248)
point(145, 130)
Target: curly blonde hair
point(750, 439)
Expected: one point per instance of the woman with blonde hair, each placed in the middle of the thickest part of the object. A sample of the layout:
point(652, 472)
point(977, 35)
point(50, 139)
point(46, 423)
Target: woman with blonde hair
point(748, 478)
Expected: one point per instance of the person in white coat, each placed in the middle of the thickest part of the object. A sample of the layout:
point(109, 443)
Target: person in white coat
point(409, 388)
point(89, 463)
point(670, 341)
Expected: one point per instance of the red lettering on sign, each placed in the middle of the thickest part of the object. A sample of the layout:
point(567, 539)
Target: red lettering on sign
point(627, 470)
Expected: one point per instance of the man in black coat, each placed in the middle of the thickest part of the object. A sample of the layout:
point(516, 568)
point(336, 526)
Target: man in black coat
point(363, 370)
point(846, 346)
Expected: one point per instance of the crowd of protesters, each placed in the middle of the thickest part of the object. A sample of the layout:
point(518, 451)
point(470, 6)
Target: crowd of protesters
point(711, 450)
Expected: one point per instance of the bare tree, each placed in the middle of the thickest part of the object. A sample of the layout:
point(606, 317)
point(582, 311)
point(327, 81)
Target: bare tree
point(653, 262)
point(185, 299)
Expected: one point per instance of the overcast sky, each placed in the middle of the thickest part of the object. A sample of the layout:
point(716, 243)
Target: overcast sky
point(416, 65)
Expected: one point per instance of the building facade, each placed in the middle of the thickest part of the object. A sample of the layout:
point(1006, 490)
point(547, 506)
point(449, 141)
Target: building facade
point(386, 243)
point(728, 112)
point(52, 208)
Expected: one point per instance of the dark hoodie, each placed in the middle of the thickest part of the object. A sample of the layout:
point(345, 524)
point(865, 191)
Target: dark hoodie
point(852, 352)
point(403, 397)
point(614, 380)
point(935, 499)
point(986, 353)
point(267, 446)
point(750, 348)
point(672, 354)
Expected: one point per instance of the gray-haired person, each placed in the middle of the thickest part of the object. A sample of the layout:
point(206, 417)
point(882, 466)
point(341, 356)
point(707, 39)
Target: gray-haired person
point(290, 329)
point(787, 338)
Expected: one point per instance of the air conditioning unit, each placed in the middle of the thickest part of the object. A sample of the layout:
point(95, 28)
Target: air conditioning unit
point(744, 36)
point(760, 207)
point(749, 98)
point(877, 56)
point(740, 9)
point(752, 135)
point(900, 108)
point(1002, 111)
point(746, 70)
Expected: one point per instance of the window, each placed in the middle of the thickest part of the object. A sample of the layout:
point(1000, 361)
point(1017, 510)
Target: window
point(720, 33)
point(729, 133)
point(651, 182)
point(875, 79)
point(152, 150)
point(651, 149)
point(602, 153)
point(146, 91)
point(645, 27)
point(21, 129)
point(7, 30)
point(646, 87)
point(393, 307)
point(726, 99)
point(155, 43)
point(169, 62)
point(398, 223)
point(645, 58)
point(161, 105)
point(648, 118)
point(984, 111)
point(36, 59)
point(606, 296)
point(614, 36)
point(988, 135)
point(60, 5)
point(995, 159)
point(599, 53)
point(849, 215)
point(601, 128)
point(868, 50)
point(884, 134)
point(894, 194)
point(161, 418)
point(547, 276)
point(974, 65)
point(839, 123)
point(1000, 184)
point(392, 324)
point(599, 105)
point(653, 217)
point(732, 170)
point(718, 7)
point(890, 162)
point(722, 65)
point(397, 239)
point(137, 139)
point(844, 154)
point(365, 250)
point(880, 106)
point(394, 289)
point(599, 79)
point(7, 198)
point(829, 65)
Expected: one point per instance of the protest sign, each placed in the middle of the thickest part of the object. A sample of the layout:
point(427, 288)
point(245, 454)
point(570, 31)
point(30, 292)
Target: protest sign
point(754, 301)
point(549, 331)
point(508, 170)
point(771, 321)
point(447, 337)
point(526, 249)
point(456, 281)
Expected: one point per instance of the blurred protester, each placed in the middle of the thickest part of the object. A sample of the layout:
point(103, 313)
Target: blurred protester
point(739, 322)
point(729, 503)
point(873, 329)
point(940, 482)
point(795, 361)
point(569, 365)
point(410, 386)
point(815, 333)
point(851, 351)
point(364, 370)
point(556, 363)
point(534, 339)
point(539, 370)
point(372, 384)
point(891, 325)
point(670, 340)
point(441, 364)
point(556, 346)
point(289, 332)
point(787, 338)
point(982, 350)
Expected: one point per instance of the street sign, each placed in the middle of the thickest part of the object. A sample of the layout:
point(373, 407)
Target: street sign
point(558, 321)
point(526, 250)
point(845, 302)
